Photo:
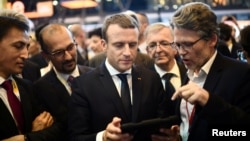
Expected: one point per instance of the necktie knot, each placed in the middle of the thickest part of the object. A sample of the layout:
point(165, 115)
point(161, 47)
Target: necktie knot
point(7, 85)
point(70, 79)
point(123, 77)
point(167, 76)
point(169, 88)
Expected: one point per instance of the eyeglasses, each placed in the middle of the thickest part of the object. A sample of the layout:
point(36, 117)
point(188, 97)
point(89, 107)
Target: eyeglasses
point(153, 45)
point(61, 53)
point(185, 45)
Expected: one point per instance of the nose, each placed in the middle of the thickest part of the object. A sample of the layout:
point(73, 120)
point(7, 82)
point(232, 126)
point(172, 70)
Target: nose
point(181, 50)
point(67, 55)
point(158, 47)
point(24, 53)
point(126, 50)
point(92, 47)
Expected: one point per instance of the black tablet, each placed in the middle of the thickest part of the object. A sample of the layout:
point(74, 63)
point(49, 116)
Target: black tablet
point(151, 124)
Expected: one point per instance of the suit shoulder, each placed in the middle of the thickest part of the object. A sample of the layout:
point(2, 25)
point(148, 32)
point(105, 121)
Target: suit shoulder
point(84, 69)
point(145, 71)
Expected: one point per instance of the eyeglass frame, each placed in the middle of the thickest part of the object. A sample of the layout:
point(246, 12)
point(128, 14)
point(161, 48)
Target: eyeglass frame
point(164, 44)
point(60, 53)
point(186, 47)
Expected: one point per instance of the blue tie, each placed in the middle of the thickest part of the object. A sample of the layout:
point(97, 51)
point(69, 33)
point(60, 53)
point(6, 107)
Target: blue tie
point(125, 95)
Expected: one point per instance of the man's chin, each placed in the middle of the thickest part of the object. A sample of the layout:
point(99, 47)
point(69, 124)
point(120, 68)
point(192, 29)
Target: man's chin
point(68, 70)
point(161, 62)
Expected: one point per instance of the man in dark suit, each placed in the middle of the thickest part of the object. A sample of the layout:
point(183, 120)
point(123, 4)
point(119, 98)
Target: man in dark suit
point(31, 71)
point(97, 105)
point(53, 89)
point(226, 36)
point(22, 119)
point(217, 94)
point(158, 38)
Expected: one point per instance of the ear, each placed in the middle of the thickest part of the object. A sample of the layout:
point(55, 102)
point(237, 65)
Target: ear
point(45, 55)
point(104, 44)
point(213, 40)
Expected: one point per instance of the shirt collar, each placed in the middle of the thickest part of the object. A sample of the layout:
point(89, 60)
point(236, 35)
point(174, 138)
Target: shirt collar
point(75, 73)
point(162, 72)
point(205, 68)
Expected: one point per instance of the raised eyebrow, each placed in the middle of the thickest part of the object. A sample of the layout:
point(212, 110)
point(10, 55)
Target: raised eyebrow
point(20, 42)
point(58, 50)
point(71, 44)
point(164, 41)
point(133, 42)
point(154, 42)
point(118, 43)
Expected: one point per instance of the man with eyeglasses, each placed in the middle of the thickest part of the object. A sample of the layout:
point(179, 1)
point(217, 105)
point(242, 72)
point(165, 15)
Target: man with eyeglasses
point(54, 88)
point(217, 93)
point(159, 38)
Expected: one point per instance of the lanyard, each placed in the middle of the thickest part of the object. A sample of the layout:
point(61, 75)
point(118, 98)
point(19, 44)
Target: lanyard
point(190, 117)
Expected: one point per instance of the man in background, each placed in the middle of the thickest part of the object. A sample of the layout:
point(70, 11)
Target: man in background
point(143, 24)
point(79, 35)
point(159, 38)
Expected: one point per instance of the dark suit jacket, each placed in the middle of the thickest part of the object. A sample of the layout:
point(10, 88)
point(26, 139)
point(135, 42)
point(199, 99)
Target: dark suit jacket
point(54, 97)
point(95, 101)
point(223, 48)
point(39, 59)
point(31, 71)
point(31, 109)
point(228, 84)
point(81, 60)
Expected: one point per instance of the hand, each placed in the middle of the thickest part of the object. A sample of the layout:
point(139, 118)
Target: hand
point(113, 132)
point(42, 121)
point(15, 138)
point(192, 93)
point(172, 134)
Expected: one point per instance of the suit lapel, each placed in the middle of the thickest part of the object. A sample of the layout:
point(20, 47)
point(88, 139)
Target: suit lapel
point(136, 88)
point(214, 74)
point(212, 80)
point(64, 95)
point(7, 122)
point(26, 104)
point(183, 73)
point(111, 91)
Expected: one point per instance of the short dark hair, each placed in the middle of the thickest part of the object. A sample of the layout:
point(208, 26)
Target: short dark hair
point(196, 16)
point(123, 20)
point(11, 19)
point(225, 31)
point(38, 29)
point(96, 32)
